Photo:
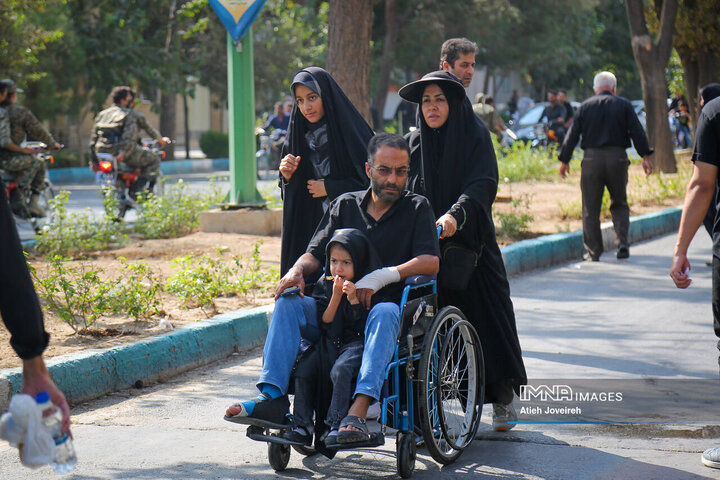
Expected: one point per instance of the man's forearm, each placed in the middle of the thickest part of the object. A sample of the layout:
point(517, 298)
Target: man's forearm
point(307, 264)
point(697, 201)
point(420, 265)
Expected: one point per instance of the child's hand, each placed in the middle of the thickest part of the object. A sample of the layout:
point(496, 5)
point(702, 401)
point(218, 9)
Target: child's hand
point(348, 289)
point(338, 285)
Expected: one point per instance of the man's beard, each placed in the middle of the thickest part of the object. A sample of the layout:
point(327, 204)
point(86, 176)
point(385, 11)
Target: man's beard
point(386, 196)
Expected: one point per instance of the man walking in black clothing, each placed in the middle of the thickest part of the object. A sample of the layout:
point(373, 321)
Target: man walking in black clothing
point(607, 123)
point(555, 114)
point(700, 192)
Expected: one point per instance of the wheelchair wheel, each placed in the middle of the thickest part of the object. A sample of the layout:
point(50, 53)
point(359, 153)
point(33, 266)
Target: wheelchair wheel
point(406, 451)
point(305, 450)
point(462, 372)
point(278, 456)
point(452, 377)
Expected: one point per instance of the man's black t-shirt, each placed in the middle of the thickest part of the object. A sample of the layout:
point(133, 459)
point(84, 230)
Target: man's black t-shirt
point(406, 231)
point(553, 113)
point(707, 150)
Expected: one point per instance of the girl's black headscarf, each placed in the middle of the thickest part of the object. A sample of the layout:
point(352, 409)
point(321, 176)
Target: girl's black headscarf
point(458, 165)
point(348, 136)
point(710, 92)
point(364, 256)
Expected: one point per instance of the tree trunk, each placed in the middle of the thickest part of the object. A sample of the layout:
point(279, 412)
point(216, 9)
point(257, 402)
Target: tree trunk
point(699, 69)
point(486, 84)
point(168, 105)
point(168, 100)
point(387, 62)
point(186, 124)
point(348, 61)
point(658, 127)
point(393, 25)
point(652, 60)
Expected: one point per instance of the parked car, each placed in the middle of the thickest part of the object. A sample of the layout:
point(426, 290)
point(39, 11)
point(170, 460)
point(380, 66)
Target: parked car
point(530, 127)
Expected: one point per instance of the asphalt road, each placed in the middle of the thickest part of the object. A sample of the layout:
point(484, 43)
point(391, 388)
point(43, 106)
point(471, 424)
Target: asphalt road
point(612, 320)
point(83, 196)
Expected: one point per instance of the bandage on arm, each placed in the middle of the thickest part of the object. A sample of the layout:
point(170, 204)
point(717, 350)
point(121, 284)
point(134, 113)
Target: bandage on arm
point(378, 279)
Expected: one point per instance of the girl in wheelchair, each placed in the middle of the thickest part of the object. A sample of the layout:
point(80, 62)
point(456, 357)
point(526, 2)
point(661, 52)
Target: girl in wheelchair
point(325, 373)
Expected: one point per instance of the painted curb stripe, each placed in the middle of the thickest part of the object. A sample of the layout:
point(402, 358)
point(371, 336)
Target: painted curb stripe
point(172, 167)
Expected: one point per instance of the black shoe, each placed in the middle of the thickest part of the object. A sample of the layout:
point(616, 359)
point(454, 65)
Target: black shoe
point(588, 257)
point(297, 436)
point(623, 251)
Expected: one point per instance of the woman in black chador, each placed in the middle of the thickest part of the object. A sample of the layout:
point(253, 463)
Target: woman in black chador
point(453, 164)
point(323, 157)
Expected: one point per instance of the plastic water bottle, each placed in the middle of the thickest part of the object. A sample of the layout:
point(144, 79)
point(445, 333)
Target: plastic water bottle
point(65, 458)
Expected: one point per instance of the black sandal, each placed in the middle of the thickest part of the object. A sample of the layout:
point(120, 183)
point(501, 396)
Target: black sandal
point(268, 412)
point(353, 436)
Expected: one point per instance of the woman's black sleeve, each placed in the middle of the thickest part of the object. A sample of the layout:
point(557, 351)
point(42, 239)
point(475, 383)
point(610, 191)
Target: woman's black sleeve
point(19, 305)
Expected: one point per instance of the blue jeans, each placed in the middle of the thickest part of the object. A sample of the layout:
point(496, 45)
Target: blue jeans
point(295, 317)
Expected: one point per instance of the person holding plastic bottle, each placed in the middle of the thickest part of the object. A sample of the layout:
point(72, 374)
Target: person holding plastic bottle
point(22, 315)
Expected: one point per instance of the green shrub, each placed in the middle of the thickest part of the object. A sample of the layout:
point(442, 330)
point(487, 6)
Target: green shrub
point(214, 144)
point(199, 280)
point(176, 212)
point(75, 294)
point(78, 295)
point(135, 291)
point(74, 234)
point(515, 223)
point(521, 163)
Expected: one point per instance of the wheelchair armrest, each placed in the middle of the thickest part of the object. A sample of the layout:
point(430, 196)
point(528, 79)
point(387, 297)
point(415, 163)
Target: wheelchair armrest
point(420, 279)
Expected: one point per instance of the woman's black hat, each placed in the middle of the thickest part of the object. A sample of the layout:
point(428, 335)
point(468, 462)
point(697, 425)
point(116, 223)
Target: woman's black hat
point(413, 91)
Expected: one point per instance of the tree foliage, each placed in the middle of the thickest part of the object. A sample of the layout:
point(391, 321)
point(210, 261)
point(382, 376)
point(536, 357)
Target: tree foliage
point(697, 30)
point(21, 38)
point(288, 36)
point(67, 54)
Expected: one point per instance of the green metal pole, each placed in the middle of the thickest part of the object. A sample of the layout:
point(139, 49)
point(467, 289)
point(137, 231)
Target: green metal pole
point(241, 109)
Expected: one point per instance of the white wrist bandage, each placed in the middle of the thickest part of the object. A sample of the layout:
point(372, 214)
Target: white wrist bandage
point(377, 279)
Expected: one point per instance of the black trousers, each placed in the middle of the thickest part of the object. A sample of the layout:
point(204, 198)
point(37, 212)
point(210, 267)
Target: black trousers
point(716, 295)
point(604, 167)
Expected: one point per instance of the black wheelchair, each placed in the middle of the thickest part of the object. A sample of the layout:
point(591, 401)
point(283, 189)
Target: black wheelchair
point(433, 392)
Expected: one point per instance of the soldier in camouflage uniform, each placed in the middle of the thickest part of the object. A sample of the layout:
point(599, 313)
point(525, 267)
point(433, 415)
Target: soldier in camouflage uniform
point(148, 156)
point(116, 132)
point(4, 118)
point(143, 124)
point(15, 159)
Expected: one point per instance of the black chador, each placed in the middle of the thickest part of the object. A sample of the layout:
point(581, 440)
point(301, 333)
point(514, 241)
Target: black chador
point(333, 149)
point(454, 166)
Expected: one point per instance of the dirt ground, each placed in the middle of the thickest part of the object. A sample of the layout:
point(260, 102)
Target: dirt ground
point(547, 202)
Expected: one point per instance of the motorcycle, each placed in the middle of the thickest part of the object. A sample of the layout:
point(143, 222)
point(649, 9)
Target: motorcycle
point(126, 182)
point(269, 146)
point(19, 193)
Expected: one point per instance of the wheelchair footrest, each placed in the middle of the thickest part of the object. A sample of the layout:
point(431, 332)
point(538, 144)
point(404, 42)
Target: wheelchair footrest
point(258, 434)
point(376, 439)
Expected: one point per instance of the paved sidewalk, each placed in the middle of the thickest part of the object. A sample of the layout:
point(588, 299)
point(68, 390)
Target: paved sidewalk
point(612, 319)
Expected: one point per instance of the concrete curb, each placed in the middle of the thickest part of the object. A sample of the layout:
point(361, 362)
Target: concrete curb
point(172, 167)
point(93, 373)
point(550, 250)
point(198, 343)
